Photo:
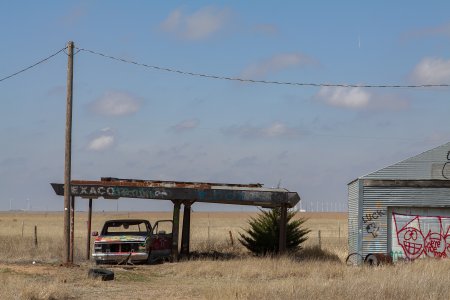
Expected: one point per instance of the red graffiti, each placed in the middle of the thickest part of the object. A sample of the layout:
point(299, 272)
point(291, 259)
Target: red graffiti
point(435, 245)
point(421, 236)
point(411, 241)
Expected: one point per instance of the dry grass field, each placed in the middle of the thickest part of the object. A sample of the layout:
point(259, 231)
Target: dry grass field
point(311, 276)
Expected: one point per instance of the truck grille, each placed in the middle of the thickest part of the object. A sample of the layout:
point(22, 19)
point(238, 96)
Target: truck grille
point(120, 247)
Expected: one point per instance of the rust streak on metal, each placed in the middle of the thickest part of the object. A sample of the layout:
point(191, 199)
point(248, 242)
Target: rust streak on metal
point(163, 184)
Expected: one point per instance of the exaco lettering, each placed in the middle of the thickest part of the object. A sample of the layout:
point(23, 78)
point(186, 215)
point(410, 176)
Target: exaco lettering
point(116, 192)
point(92, 191)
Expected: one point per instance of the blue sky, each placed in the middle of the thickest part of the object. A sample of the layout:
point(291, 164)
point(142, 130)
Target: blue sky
point(135, 122)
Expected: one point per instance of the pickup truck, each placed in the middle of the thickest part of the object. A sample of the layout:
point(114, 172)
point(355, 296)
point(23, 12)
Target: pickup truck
point(133, 241)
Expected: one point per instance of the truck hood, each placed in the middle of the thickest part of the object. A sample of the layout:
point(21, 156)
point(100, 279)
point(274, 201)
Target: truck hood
point(120, 238)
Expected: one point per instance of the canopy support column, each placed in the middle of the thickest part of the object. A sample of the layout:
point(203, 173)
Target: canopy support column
point(186, 231)
point(175, 229)
point(283, 225)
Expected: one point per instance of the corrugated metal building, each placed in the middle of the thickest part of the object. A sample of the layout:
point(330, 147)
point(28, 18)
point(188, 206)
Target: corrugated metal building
point(403, 210)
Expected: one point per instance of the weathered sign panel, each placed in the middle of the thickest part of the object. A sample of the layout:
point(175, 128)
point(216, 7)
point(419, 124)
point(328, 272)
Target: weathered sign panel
point(222, 194)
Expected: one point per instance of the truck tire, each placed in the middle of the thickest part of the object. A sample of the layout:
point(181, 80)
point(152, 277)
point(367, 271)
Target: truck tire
point(104, 274)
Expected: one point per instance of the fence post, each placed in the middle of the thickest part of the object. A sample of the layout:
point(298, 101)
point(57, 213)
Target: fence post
point(320, 241)
point(231, 238)
point(23, 223)
point(35, 237)
point(339, 225)
point(209, 225)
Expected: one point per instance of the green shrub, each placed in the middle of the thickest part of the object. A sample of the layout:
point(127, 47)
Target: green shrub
point(262, 237)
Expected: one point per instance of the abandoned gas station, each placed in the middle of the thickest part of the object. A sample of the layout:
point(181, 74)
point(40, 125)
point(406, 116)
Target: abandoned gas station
point(180, 193)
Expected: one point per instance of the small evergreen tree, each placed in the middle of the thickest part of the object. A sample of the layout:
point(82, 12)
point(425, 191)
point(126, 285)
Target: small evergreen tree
point(263, 235)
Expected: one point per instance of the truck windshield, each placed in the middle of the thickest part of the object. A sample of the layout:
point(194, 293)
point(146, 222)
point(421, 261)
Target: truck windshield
point(125, 228)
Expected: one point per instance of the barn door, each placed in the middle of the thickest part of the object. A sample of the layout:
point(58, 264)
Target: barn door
point(419, 232)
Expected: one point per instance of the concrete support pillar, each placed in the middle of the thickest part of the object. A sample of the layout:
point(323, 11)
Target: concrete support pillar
point(175, 229)
point(186, 231)
point(283, 226)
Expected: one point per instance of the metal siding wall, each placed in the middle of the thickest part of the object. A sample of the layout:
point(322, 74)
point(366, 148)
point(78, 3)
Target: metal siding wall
point(376, 202)
point(404, 170)
point(353, 216)
point(368, 206)
point(427, 165)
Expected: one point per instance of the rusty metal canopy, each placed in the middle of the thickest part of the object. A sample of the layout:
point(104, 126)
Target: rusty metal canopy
point(222, 193)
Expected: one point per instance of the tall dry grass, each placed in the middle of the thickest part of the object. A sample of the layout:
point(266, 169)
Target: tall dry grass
point(315, 273)
point(241, 278)
point(209, 232)
point(286, 279)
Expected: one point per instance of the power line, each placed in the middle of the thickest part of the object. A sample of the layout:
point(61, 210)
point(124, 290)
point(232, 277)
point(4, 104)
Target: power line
point(33, 65)
point(311, 84)
point(263, 81)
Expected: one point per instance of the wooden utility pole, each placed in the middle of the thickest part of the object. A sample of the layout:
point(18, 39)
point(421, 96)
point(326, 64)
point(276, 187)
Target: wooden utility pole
point(72, 227)
point(68, 154)
point(89, 227)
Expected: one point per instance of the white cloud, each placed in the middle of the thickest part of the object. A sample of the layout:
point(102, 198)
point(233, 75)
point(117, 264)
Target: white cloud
point(273, 130)
point(432, 71)
point(276, 129)
point(185, 125)
point(116, 103)
point(173, 21)
point(102, 140)
point(355, 98)
point(276, 63)
point(360, 99)
point(199, 25)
